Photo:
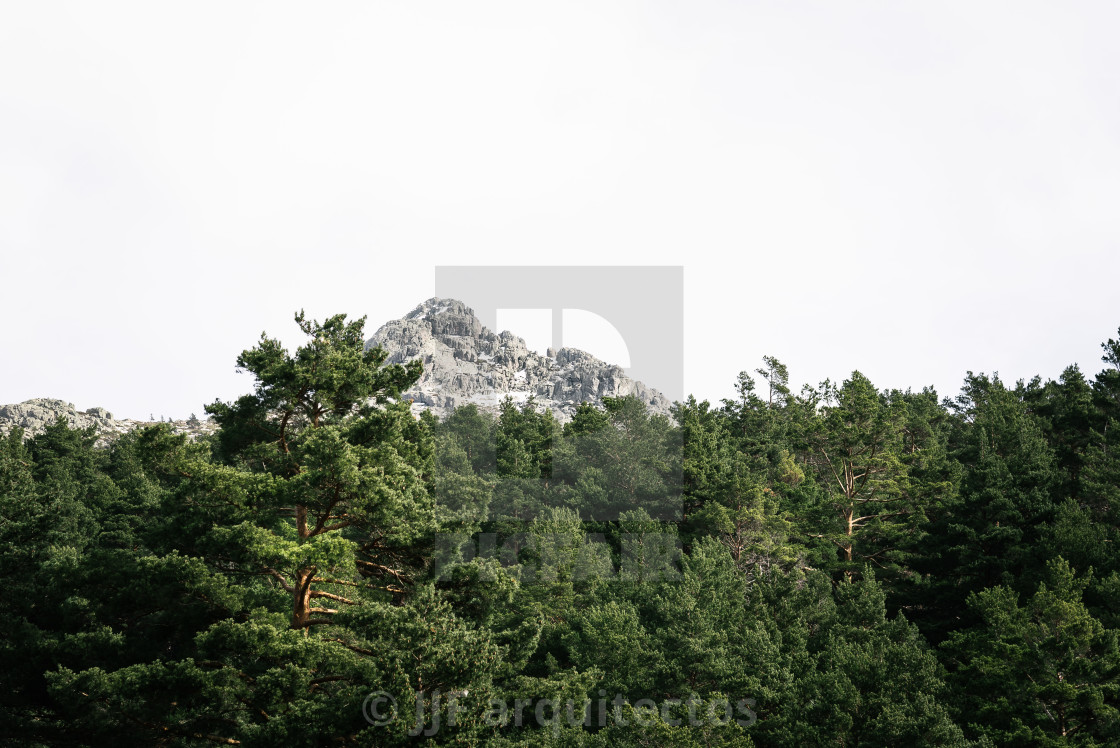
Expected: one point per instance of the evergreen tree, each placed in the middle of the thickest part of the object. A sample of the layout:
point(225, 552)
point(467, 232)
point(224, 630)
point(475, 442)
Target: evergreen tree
point(1046, 673)
point(855, 449)
point(314, 520)
point(1007, 494)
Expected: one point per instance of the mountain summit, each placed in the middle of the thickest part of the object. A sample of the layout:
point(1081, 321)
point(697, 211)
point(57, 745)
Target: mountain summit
point(465, 362)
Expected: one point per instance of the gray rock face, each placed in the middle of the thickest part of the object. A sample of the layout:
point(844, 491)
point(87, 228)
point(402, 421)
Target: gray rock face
point(465, 362)
point(33, 416)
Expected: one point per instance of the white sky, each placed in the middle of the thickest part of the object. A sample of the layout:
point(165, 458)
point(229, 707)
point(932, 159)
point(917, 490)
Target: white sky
point(911, 189)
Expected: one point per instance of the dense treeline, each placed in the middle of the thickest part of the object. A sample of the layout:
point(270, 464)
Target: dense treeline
point(840, 566)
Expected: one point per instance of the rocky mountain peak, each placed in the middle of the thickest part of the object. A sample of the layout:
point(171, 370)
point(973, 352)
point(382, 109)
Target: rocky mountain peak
point(465, 362)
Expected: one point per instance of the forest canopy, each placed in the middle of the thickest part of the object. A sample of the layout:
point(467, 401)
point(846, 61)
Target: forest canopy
point(842, 565)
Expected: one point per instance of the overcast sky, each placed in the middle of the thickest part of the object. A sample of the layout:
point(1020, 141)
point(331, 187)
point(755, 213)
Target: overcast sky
point(910, 189)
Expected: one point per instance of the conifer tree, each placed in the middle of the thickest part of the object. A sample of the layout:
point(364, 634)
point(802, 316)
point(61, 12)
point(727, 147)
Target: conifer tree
point(855, 449)
point(1043, 673)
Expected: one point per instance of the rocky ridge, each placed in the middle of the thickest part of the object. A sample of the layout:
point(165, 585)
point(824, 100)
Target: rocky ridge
point(465, 362)
point(33, 416)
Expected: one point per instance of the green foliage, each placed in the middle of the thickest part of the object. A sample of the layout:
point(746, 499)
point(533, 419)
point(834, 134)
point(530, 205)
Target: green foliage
point(840, 566)
point(1044, 673)
point(630, 459)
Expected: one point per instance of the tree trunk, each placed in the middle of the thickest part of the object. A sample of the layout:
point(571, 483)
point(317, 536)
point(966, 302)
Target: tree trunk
point(848, 545)
point(301, 594)
point(849, 521)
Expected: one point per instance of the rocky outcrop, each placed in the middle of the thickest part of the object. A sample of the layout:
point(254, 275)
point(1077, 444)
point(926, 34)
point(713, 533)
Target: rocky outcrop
point(465, 362)
point(33, 416)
